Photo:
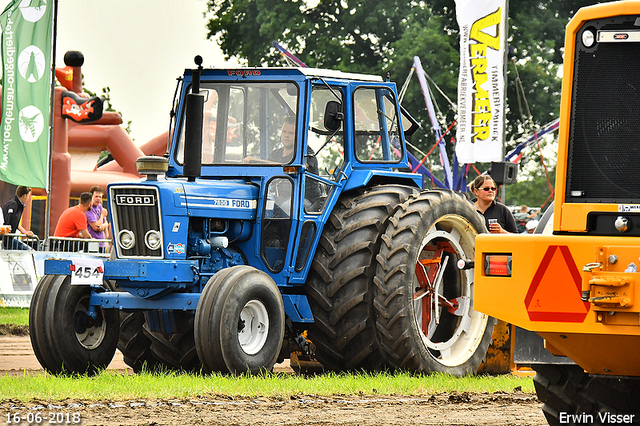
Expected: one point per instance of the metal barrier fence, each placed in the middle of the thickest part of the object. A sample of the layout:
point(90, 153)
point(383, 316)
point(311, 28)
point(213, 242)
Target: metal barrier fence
point(20, 242)
point(94, 247)
point(79, 245)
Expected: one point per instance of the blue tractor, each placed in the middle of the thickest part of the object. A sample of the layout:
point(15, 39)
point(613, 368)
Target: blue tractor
point(283, 217)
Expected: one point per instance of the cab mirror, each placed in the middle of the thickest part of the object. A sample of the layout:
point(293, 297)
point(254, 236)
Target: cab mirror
point(333, 116)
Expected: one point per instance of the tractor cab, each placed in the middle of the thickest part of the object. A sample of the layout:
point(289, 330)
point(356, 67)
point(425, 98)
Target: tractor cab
point(300, 137)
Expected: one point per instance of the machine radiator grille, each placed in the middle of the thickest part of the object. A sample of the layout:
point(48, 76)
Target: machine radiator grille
point(137, 210)
point(604, 138)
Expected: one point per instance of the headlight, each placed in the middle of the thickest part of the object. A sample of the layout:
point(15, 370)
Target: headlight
point(126, 239)
point(588, 38)
point(152, 240)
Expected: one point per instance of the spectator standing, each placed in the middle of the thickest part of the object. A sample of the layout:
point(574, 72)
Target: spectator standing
point(522, 216)
point(497, 216)
point(531, 226)
point(98, 226)
point(73, 222)
point(13, 209)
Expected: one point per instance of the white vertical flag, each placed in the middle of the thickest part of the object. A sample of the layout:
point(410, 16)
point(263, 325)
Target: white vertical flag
point(481, 109)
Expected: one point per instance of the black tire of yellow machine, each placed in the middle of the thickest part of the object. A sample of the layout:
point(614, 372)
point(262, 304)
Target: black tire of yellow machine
point(239, 322)
point(427, 323)
point(73, 342)
point(571, 396)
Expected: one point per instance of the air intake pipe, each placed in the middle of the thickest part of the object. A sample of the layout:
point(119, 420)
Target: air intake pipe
point(193, 126)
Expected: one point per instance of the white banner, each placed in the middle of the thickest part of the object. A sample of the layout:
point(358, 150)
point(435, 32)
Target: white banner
point(17, 278)
point(480, 124)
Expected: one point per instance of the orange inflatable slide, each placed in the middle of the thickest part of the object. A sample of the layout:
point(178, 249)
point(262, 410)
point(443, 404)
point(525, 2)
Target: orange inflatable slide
point(77, 146)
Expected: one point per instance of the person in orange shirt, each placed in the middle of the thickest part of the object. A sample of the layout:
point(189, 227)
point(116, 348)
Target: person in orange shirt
point(73, 222)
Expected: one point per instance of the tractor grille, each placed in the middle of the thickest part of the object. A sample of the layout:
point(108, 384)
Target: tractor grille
point(604, 138)
point(137, 210)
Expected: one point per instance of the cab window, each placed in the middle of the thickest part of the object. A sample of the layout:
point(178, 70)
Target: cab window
point(244, 122)
point(326, 147)
point(376, 126)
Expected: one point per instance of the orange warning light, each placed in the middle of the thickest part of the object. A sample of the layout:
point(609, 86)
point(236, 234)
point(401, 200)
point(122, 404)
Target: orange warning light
point(497, 265)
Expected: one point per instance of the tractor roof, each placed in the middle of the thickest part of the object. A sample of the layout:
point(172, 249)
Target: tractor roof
point(307, 72)
point(318, 72)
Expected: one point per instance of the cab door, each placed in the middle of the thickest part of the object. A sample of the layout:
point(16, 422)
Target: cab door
point(324, 169)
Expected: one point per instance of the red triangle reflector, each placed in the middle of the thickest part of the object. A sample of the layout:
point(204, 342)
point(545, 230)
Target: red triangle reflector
point(555, 291)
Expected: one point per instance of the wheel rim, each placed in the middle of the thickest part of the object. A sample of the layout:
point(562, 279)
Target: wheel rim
point(443, 306)
point(253, 327)
point(89, 332)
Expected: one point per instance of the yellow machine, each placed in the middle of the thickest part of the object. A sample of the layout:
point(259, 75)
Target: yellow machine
point(579, 287)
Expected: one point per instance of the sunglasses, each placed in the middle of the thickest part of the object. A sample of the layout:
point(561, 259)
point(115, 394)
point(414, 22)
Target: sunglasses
point(489, 188)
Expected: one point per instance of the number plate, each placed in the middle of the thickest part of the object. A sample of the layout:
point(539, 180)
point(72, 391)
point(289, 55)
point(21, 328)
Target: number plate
point(87, 271)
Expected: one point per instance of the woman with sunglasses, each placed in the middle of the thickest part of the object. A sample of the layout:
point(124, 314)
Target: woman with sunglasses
point(497, 216)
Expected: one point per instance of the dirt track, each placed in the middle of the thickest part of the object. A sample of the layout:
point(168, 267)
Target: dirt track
point(16, 357)
point(514, 408)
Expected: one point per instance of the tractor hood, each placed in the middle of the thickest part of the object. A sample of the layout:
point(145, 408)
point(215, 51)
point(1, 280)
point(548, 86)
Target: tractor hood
point(219, 199)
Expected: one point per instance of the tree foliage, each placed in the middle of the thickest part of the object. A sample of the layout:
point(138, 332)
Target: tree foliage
point(534, 193)
point(375, 37)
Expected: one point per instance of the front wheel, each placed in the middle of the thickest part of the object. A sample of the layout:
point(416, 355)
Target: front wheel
point(424, 303)
point(70, 337)
point(239, 322)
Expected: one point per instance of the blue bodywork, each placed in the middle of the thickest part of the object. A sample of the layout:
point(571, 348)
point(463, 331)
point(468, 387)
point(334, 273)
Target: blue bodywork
point(230, 214)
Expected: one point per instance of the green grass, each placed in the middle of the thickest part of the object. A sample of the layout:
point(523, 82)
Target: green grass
point(18, 316)
point(116, 386)
point(112, 385)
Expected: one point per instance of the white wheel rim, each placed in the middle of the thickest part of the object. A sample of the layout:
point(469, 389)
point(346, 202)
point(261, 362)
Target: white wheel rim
point(253, 327)
point(461, 345)
point(91, 337)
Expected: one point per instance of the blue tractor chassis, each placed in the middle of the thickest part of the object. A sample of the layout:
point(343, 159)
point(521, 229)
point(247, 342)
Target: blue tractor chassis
point(154, 276)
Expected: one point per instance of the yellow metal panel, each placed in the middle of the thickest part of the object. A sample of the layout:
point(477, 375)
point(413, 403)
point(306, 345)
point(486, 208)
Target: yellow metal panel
point(600, 354)
point(545, 289)
point(573, 217)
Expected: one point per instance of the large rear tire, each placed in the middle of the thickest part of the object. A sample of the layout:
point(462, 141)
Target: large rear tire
point(566, 390)
point(154, 351)
point(424, 302)
point(134, 344)
point(174, 351)
point(67, 339)
point(239, 322)
point(340, 282)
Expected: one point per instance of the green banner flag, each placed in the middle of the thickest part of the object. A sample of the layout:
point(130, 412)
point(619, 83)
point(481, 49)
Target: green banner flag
point(26, 91)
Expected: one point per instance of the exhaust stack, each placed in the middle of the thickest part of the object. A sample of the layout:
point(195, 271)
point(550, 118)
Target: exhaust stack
point(193, 126)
